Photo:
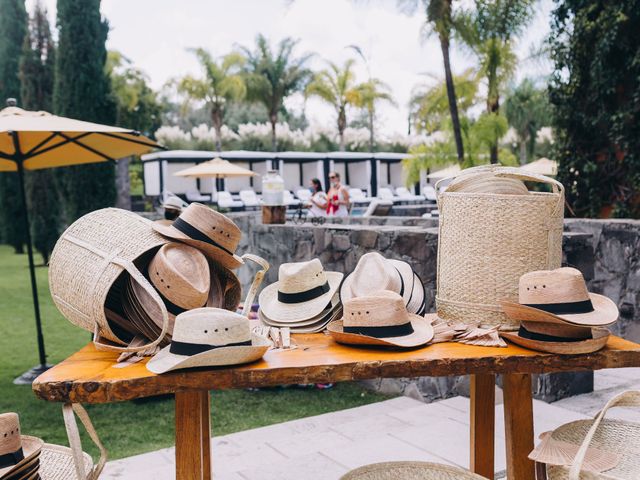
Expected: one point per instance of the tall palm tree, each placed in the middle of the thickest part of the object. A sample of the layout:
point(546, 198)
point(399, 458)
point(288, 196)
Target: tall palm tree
point(440, 22)
point(370, 93)
point(273, 76)
point(527, 110)
point(489, 31)
point(222, 83)
point(337, 87)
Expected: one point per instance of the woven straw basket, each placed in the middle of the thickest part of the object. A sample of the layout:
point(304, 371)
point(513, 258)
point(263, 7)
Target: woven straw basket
point(487, 241)
point(87, 260)
point(609, 437)
point(63, 463)
point(410, 471)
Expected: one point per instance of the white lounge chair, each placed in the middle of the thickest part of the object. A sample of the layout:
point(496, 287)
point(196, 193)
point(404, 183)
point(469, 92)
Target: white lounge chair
point(289, 199)
point(386, 193)
point(404, 194)
point(356, 195)
point(225, 200)
point(304, 194)
point(378, 207)
point(249, 198)
point(429, 192)
point(196, 196)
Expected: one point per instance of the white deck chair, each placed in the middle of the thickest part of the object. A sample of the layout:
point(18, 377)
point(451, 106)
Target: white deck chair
point(378, 207)
point(225, 200)
point(289, 199)
point(304, 194)
point(249, 198)
point(385, 193)
point(356, 195)
point(405, 194)
point(196, 196)
point(429, 192)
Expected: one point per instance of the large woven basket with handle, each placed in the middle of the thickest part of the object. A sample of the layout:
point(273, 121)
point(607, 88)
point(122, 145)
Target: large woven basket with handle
point(410, 471)
point(604, 449)
point(488, 240)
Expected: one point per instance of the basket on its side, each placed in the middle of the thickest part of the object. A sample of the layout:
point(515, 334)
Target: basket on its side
point(488, 240)
point(410, 471)
point(603, 449)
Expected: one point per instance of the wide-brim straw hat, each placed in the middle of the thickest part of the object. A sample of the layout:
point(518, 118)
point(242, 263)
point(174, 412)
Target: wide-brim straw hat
point(210, 231)
point(230, 286)
point(306, 281)
point(417, 301)
point(381, 310)
point(209, 337)
point(57, 463)
point(90, 256)
point(334, 303)
point(605, 312)
point(409, 471)
point(181, 275)
point(31, 449)
point(599, 339)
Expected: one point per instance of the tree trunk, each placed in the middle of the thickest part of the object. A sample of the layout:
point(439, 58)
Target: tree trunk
point(342, 124)
point(123, 184)
point(451, 95)
point(493, 107)
point(523, 151)
point(216, 120)
point(273, 118)
point(371, 134)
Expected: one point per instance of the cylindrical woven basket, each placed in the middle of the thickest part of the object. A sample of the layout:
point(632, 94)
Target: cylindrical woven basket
point(620, 438)
point(487, 241)
point(87, 260)
point(410, 471)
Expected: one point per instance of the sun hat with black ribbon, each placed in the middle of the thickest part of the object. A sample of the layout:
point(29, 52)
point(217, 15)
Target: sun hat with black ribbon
point(208, 337)
point(558, 314)
point(16, 450)
point(303, 290)
point(375, 272)
point(380, 318)
point(209, 231)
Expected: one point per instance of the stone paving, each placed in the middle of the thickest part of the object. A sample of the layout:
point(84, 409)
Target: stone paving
point(326, 446)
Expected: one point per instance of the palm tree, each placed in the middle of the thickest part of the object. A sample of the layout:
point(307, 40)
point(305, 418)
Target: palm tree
point(336, 86)
point(527, 109)
point(271, 78)
point(222, 83)
point(489, 31)
point(370, 93)
point(440, 22)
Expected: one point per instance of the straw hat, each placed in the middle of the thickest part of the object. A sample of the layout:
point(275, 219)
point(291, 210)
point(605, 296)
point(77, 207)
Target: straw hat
point(311, 325)
point(380, 319)
point(303, 291)
point(174, 202)
point(181, 275)
point(418, 300)
point(487, 182)
point(375, 272)
point(208, 230)
point(208, 337)
point(558, 315)
point(57, 463)
point(560, 296)
point(17, 452)
point(409, 471)
point(225, 290)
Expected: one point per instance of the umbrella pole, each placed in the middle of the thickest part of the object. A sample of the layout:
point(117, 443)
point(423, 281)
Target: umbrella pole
point(29, 376)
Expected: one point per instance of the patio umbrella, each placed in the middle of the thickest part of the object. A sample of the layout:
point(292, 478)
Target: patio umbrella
point(216, 168)
point(36, 140)
point(543, 166)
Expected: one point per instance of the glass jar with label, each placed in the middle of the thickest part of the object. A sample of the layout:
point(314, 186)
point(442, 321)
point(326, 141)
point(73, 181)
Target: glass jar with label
point(273, 188)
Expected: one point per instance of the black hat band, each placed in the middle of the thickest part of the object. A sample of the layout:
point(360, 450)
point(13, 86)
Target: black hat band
point(564, 308)
point(195, 234)
point(305, 296)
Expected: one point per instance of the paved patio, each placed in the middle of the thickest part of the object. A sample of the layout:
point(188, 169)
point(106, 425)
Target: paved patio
point(326, 446)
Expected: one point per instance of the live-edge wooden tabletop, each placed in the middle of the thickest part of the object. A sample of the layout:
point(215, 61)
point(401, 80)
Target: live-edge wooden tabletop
point(92, 376)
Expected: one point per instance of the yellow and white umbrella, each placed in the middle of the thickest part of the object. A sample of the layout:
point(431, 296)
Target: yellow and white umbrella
point(37, 140)
point(216, 168)
point(542, 166)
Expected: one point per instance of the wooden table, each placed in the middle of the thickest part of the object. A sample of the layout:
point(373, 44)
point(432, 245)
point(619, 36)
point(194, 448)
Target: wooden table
point(90, 376)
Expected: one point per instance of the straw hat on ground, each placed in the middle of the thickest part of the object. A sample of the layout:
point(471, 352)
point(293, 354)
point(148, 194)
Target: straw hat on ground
point(181, 275)
point(210, 231)
point(409, 471)
point(380, 319)
point(303, 291)
point(17, 452)
point(208, 337)
point(375, 272)
point(557, 313)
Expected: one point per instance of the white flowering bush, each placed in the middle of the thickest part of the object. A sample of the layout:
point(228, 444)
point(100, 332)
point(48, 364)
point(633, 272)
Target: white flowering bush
point(174, 138)
point(204, 137)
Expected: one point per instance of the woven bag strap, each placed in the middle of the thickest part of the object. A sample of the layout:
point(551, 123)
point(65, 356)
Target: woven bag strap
point(257, 281)
point(69, 413)
point(625, 399)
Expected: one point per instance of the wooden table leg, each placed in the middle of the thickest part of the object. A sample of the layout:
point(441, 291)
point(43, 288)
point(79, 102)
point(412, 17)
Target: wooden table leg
point(193, 435)
point(483, 399)
point(518, 425)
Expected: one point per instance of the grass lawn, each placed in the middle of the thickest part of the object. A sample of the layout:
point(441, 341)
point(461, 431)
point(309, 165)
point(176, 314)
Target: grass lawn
point(126, 428)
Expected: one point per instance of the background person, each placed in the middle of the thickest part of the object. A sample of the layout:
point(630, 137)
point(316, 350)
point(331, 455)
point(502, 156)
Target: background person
point(338, 197)
point(318, 202)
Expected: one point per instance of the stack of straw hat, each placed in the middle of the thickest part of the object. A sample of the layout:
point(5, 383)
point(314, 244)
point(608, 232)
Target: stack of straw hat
point(375, 272)
point(304, 298)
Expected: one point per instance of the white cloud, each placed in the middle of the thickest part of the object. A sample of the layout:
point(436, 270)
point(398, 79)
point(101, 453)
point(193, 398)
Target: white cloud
point(155, 34)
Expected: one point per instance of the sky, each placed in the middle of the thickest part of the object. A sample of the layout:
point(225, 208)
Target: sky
point(155, 36)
